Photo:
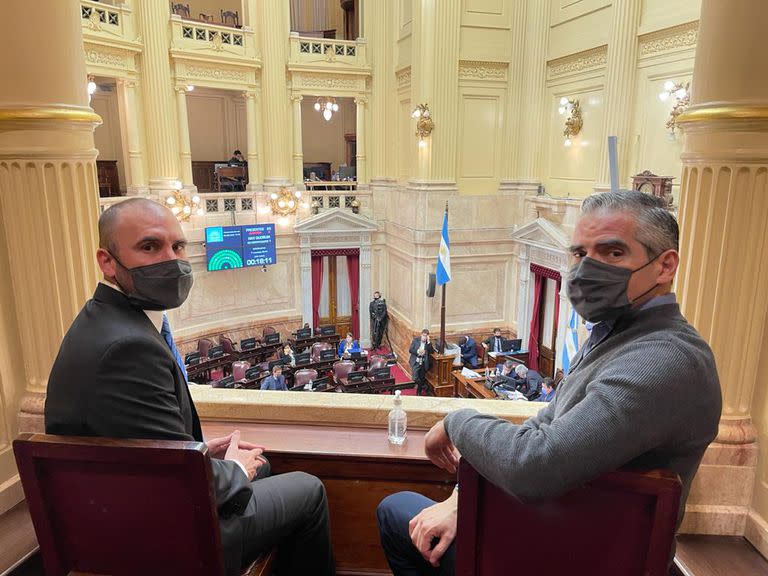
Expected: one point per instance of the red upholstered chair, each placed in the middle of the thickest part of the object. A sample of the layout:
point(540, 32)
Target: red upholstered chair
point(117, 506)
point(302, 377)
point(375, 363)
point(239, 368)
point(203, 345)
point(480, 350)
point(341, 369)
point(268, 330)
point(619, 523)
point(317, 347)
point(227, 344)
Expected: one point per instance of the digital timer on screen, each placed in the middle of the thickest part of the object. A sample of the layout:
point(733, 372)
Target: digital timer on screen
point(228, 247)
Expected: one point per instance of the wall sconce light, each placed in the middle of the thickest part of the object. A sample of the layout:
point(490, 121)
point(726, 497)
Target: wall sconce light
point(573, 120)
point(355, 206)
point(190, 87)
point(424, 123)
point(182, 206)
point(285, 202)
point(682, 96)
point(328, 106)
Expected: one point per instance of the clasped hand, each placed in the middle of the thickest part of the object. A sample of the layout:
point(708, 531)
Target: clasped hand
point(230, 447)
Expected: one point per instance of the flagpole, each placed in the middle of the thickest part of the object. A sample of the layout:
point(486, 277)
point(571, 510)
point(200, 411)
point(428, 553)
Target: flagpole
point(442, 308)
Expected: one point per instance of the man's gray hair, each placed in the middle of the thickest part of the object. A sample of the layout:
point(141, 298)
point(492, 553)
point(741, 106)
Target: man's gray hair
point(657, 228)
point(521, 371)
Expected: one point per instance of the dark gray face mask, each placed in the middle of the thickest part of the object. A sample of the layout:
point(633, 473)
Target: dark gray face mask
point(598, 291)
point(160, 286)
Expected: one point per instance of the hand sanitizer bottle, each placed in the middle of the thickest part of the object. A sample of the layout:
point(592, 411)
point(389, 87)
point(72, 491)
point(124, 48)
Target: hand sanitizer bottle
point(397, 421)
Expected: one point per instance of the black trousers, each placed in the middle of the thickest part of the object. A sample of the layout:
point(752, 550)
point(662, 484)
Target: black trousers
point(290, 512)
point(420, 377)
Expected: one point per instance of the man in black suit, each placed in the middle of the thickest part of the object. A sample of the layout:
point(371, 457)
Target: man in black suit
point(495, 343)
point(420, 350)
point(118, 374)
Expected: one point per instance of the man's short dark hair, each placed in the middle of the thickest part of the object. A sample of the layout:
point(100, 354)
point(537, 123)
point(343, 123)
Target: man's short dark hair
point(657, 228)
point(377, 292)
point(463, 340)
point(496, 330)
point(236, 152)
point(425, 331)
point(549, 383)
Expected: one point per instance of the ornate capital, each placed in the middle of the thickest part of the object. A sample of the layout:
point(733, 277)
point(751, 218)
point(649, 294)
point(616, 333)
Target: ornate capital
point(361, 100)
point(249, 95)
point(297, 98)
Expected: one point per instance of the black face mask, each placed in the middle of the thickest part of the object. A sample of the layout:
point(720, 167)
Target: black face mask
point(160, 286)
point(598, 291)
point(376, 297)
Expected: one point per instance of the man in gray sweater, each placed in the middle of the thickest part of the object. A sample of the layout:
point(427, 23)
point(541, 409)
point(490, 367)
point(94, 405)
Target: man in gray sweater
point(642, 392)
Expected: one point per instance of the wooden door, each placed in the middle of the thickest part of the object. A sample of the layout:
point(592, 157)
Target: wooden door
point(343, 323)
point(548, 328)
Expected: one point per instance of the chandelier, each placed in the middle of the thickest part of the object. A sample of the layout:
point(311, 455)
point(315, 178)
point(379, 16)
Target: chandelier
point(327, 105)
point(183, 206)
point(284, 202)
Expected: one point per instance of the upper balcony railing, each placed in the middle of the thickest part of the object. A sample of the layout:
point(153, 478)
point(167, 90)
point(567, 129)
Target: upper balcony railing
point(216, 40)
point(313, 51)
point(108, 22)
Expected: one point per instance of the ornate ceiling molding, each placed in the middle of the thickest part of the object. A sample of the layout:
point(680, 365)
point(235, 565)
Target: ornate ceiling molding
point(98, 56)
point(683, 36)
point(592, 59)
point(214, 73)
point(478, 70)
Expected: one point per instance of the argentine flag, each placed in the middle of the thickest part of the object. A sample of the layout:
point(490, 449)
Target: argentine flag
point(444, 257)
point(571, 345)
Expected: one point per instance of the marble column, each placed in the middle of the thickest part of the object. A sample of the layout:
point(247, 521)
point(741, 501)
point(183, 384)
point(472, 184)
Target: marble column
point(516, 105)
point(721, 282)
point(435, 82)
point(49, 199)
point(362, 173)
point(185, 148)
point(306, 279)
point(378, 31)
point(619, 89)
point(724, 203)
point(252, 153)
point(157, 90)
point(298, 154)
point(129, 123)
point(523, 293)
point(273, 30)
point(535, 82)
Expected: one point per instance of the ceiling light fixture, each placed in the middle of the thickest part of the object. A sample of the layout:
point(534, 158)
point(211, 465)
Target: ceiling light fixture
point(327, 105)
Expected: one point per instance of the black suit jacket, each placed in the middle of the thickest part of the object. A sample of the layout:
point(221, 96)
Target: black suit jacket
point(115, 376)
point(505, 344)
point(413, 361)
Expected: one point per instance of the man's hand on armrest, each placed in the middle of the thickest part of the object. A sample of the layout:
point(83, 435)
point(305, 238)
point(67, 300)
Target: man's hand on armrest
point(438, 522)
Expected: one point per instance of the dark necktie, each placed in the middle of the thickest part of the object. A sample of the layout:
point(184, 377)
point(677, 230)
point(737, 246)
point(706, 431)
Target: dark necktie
point(166, 333)
point(497, 344)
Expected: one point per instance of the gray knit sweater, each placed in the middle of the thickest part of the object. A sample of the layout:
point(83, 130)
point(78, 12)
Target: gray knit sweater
point(647, 396)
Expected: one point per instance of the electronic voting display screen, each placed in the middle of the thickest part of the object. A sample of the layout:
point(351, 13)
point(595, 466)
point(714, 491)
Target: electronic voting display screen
point(228, 247)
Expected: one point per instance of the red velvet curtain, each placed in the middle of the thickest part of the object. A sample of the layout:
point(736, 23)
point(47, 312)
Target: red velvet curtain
point(353, 272)
point(533, 339)
point(317, 286)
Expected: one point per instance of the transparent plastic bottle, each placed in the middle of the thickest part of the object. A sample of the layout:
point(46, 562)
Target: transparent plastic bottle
point(398, 421)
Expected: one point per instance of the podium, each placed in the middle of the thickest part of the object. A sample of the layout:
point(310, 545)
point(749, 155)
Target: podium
point(439, 375)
